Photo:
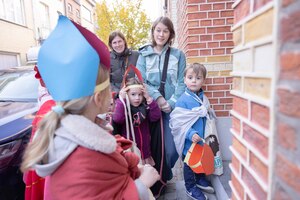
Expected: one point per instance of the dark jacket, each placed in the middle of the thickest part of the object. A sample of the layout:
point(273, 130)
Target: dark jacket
point(142, 132)
point(118, 64)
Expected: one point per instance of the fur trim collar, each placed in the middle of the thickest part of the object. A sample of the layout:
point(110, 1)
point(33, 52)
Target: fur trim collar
point(86, 133)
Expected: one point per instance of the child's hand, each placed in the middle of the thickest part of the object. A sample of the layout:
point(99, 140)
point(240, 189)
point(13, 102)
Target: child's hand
point(123, 92)
point(196, 138)
point(149, 175)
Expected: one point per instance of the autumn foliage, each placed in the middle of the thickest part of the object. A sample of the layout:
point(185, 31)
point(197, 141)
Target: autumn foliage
point(126, 16)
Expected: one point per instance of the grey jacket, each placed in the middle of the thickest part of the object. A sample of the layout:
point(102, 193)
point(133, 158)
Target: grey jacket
point(118, 65)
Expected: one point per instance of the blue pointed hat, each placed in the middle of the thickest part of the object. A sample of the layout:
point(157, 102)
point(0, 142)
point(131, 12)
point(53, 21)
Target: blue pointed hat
point(69, 59)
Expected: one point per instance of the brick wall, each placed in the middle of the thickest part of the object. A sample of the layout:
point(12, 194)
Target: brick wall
point(254, 70)
point(204, 34)
point(286, 173)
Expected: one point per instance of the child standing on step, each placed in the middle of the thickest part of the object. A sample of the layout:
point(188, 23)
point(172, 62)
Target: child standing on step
point(191, 100)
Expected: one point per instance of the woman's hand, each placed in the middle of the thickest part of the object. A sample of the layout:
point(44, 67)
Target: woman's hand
point(163, 104)
point(149, 175)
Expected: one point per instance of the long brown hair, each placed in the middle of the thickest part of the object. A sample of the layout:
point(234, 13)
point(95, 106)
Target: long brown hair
point(168, 23)
point(112, 36)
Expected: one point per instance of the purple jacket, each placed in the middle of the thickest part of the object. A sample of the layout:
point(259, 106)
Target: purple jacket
point(142, 132)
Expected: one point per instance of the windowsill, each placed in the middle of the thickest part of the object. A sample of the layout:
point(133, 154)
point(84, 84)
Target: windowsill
point(1, 19)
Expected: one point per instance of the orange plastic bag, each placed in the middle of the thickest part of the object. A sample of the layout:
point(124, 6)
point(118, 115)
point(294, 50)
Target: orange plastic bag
point(200, 159)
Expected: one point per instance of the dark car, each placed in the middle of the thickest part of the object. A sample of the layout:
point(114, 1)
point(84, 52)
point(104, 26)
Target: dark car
point(18, 104)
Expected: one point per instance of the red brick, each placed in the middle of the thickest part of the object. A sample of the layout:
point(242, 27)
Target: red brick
point(290, 65)
point(219, 37)
point(290, 27)
point(228, 50)
point(229, 79)
point(260, 115)
point(229, 5)
point(205, 7)
point(213, 14)
point(227, 13)
point(253, 185)
point(193, 39)
point(213, 44)
point(237, 186)
point(196, 46)
point(235, 163)
point(218, 94)
point(223, 29)
point(205, 23)
point(227, 44)
point(208, 81)
point(208, 94)
point(192, 53)
point(215, 1)
point(218, 87)
point(218, 107)
point(257, 140)
point(219, 6)
point(287, 136)
point(289, 103)
point(242, 10)
point(288, 171)
point(222, 113)
point(240, 105)
point(193, 24)
point(228, 107)
point(229, 36)
point(205, 52)
point(236, 124)
point(192, 8)
point(198, 15)
point(228, 94)
point(240, 148)
point(226, 100)
point(192, 31)
point(259, 167)
point(205, 38)
point(214, 101)
point(219, 22)
point(218, 51)
point(260, 3)
point(218, 80)
point(229, 21)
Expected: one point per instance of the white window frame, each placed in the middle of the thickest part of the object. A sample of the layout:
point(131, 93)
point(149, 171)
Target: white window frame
point(15, 11)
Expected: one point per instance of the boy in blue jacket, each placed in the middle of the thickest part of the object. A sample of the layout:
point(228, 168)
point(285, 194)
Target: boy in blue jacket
point(188, 124)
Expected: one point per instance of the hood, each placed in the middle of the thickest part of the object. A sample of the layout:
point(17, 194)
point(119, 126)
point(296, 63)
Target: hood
point(147, 50)
point(75, 131)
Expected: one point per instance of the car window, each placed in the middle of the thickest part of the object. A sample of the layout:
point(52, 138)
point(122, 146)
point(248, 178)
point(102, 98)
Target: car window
point(20, 88)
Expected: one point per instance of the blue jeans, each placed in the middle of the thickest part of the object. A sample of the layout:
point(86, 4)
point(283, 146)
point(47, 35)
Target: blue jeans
point(170, 150)
point(190, 178)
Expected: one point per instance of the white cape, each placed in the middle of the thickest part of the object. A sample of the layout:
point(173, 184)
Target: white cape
point(182, 119)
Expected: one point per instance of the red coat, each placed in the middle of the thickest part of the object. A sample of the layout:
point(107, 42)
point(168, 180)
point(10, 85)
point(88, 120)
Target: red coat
point(88, 174)
point(34, 184)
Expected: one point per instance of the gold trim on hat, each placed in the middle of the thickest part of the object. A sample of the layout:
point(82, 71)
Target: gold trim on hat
point(102, 86)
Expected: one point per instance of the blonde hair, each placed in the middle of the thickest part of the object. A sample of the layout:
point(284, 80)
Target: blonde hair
point(37, 149)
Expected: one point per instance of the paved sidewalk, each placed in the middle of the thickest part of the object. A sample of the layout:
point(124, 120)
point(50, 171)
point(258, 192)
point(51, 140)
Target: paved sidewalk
point(175, 187)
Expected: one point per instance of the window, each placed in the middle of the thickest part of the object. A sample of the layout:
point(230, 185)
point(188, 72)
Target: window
point(8, 60)
point(77, 13)
point(12, 10)
point(44, 21)
point(86, 14)
point(69, 8)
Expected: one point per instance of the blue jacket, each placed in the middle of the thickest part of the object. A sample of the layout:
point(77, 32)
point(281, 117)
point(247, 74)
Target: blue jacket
point(188, 102)
point(151, 66)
